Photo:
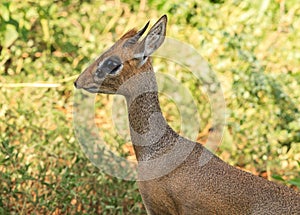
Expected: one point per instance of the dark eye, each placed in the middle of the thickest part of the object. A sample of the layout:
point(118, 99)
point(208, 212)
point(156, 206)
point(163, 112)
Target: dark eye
point(112, 65)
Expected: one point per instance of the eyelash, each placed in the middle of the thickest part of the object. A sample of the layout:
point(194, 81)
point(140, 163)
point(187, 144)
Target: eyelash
point(109, 66)
point(116, 69)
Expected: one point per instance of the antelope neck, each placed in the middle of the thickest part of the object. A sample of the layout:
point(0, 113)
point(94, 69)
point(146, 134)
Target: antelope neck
point(148, 128)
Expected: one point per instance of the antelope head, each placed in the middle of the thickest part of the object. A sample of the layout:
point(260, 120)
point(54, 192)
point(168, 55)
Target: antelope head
point(127, 57)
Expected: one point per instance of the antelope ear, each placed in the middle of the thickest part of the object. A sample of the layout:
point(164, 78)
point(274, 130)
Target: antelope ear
point(152, 41)
point(133, 40)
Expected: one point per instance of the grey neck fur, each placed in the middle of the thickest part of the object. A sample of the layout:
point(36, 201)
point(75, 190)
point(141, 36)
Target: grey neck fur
point(148, 128)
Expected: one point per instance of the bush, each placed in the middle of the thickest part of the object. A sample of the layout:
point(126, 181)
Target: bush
point(252, 46)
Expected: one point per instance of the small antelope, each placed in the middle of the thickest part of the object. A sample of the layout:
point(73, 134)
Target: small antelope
point(176, 175)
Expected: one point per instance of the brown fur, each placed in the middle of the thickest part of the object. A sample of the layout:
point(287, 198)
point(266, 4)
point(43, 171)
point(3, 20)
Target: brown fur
point(176, 175)
point(129, 34)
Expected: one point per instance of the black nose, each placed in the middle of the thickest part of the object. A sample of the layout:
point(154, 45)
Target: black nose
point(75, 84)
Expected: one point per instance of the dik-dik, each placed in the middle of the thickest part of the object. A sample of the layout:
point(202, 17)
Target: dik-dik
point(171, 182)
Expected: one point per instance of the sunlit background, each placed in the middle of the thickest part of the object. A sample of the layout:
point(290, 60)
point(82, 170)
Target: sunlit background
point(252, 46)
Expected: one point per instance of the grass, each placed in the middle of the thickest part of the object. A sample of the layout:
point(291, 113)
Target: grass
point(252, 46)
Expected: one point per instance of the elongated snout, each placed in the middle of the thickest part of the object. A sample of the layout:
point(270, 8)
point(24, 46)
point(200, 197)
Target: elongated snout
point(77, 83)
point(85, 79)
point(81, 81)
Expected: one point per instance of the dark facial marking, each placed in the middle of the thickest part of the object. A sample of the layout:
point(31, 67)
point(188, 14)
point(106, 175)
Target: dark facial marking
point(110, 66)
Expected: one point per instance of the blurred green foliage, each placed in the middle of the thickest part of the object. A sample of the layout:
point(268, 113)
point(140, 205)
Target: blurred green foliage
point(253, 46)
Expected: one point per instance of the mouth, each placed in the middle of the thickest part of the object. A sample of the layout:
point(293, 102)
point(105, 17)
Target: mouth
point(92, 89)
point(97, 90)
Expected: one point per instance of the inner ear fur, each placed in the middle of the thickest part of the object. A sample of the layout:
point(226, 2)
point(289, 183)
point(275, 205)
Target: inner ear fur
point(153, 40)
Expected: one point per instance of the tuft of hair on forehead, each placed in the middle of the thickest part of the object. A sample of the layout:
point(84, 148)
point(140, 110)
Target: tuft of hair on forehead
point(129, 34)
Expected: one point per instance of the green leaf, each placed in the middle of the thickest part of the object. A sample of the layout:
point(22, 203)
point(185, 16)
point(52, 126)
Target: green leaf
point(295, 182)
point(4, 12)
point(277, 177)
point(10, 35)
